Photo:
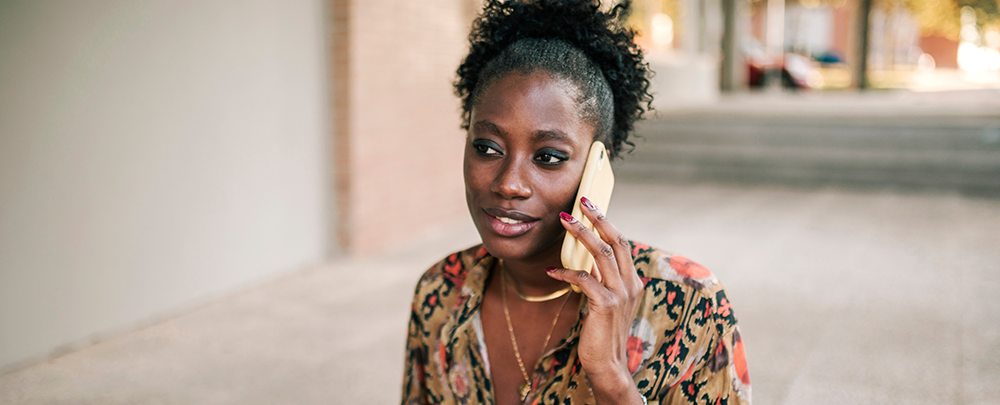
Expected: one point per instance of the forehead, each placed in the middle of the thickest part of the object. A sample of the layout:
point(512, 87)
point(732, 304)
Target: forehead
point(534, 103)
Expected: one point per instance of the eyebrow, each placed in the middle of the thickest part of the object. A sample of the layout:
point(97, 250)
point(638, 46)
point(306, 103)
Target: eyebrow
point(555, 135)
point(489, 127)
point(543, 135)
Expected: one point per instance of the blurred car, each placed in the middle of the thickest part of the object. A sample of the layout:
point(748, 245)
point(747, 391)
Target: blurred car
point(797, 72)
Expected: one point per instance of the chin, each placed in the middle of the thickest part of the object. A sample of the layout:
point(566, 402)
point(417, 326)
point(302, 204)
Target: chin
point(522, 248)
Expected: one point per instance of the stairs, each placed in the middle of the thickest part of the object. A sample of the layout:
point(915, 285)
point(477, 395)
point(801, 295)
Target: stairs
point(951, 151)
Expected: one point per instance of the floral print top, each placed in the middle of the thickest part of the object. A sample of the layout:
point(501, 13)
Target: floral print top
point(684, 346)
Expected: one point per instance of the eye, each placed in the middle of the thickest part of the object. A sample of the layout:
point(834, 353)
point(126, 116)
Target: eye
point(551, 157)
point(486, 148)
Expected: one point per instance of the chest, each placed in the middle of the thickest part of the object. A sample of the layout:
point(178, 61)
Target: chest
point(518, 338)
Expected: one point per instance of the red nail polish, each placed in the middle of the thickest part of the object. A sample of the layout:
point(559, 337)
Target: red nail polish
point(551, 269)
point(587, 203)
point(567, 217)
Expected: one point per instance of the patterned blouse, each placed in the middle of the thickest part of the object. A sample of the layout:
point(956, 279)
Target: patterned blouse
point(684, 346)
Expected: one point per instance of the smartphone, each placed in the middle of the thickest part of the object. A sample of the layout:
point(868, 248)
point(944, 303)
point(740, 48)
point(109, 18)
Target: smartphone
point(596, 184)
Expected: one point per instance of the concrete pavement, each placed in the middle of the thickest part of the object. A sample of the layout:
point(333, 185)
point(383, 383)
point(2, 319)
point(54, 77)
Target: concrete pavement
point(844, 296)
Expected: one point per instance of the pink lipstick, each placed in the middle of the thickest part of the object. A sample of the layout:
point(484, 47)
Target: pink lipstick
point(509, 223)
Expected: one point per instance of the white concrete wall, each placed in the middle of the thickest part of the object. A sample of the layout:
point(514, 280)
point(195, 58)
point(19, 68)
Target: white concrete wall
point(152, 154)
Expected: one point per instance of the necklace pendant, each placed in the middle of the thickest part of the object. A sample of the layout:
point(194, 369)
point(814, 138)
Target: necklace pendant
point(524, 390)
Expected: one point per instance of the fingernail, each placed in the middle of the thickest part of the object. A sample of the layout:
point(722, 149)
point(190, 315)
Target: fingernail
point(551, 269)
point(567, 217)
point(588, 204)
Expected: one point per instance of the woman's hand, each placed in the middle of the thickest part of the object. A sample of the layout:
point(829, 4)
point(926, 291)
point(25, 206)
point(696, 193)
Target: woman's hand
point(613, 289)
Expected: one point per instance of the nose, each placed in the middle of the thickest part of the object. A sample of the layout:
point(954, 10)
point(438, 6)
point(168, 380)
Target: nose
point(511, 181)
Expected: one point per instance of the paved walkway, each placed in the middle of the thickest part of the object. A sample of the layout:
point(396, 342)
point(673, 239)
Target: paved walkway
point(845, 297)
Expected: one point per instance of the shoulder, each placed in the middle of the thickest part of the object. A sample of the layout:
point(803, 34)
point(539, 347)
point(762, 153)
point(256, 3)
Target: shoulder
point(453, 270)
point(684, 323)
point(448, 282)
point(652, 263)
point(668, 276)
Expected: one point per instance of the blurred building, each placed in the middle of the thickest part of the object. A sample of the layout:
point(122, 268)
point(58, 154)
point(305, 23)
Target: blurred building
point(156, 154)
point(681, 41)
point(944, 50)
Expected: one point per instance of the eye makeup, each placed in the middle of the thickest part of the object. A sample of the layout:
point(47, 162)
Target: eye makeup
point(551, 157)
point(487, 148)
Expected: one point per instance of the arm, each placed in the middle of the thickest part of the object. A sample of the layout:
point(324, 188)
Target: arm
point(615, 389)
point(722, 379)
point(414, 377)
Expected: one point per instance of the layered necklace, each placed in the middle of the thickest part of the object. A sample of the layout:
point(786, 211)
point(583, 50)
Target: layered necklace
point(532, 298)
point(526, 387)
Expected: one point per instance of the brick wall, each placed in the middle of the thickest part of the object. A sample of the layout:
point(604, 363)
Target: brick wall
point(398, 158)
point(943, 50)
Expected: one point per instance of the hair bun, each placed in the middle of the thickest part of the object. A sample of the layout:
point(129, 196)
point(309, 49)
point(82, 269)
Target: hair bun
point(600, 35)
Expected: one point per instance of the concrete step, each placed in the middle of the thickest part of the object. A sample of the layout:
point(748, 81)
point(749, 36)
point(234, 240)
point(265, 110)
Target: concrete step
point(936, 151)
point(843, 133)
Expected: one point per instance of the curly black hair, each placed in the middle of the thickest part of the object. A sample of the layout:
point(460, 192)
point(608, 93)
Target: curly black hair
point(572, 39)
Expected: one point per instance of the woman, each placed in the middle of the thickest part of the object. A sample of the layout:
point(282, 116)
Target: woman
point(498, 323)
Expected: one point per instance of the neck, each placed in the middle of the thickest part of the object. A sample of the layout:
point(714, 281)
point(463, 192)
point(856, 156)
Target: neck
point(530, 277)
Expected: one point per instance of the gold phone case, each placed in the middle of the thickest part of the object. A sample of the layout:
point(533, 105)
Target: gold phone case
point(596, 184)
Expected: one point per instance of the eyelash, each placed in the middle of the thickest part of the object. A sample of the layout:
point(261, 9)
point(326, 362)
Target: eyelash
point(489, 149)
point(483, 148)
point(544, 158)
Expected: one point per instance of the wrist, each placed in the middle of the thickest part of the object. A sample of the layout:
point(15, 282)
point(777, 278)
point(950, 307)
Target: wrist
point(615, 388)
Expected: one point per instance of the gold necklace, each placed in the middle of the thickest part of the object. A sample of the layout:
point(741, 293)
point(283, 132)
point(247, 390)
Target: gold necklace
point(526, 387)
point(530, 298)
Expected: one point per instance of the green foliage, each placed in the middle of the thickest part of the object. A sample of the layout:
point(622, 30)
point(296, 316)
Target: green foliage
point(943, 17)
point(936, 17)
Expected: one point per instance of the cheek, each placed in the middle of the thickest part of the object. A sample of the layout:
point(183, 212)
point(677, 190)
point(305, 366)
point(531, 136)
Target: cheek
point(561, 192)
point(476, 177)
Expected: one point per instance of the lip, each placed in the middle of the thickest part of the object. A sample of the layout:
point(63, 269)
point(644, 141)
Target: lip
point(505, 229)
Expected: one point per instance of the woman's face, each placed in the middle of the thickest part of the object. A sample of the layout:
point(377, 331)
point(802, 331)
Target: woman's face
point(524, 157)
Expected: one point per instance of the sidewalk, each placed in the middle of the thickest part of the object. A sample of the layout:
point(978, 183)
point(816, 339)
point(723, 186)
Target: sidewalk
point(844, 297)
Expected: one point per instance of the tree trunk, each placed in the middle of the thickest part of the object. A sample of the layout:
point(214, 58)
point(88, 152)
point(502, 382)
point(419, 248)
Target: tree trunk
point(729, 80)
point(859, 78)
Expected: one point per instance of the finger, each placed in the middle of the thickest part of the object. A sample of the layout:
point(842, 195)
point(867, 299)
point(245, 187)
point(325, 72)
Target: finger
point(589, 285)
point(610, 234)
point(604, 255)
point(594, 271)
